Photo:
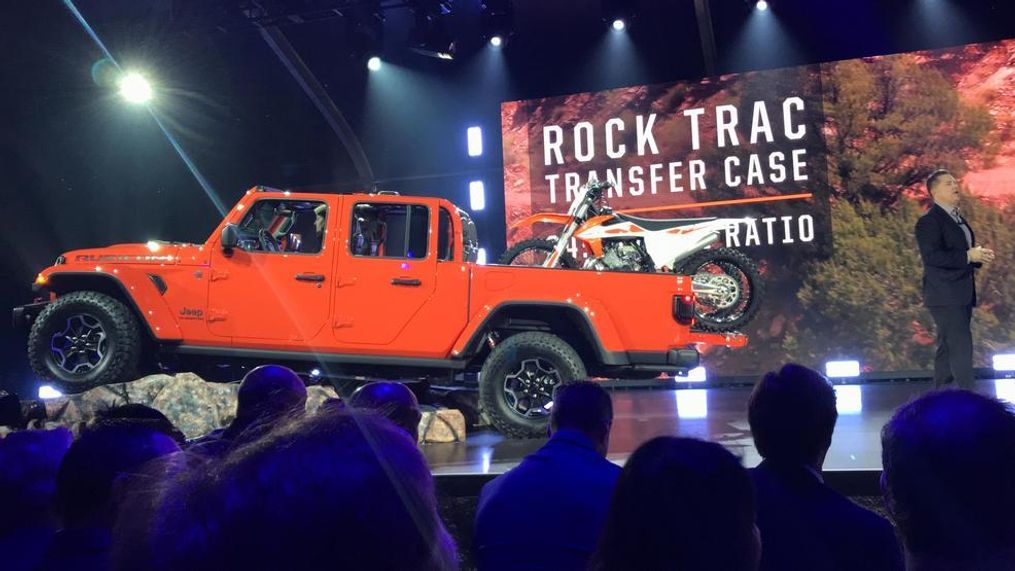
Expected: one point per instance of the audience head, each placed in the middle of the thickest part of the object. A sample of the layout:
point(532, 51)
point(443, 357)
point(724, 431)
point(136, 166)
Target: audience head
point(792, 415)
point(586, 407)
point(141, 415)
point(101, 456)
point(268, 393)
point(29, 460)
point(949, 478)
point(681, 503)
point(391, 400)
point(334, 490)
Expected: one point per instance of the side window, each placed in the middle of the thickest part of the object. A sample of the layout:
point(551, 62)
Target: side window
point(390, 230)
point(445, 237)
point(284, 226)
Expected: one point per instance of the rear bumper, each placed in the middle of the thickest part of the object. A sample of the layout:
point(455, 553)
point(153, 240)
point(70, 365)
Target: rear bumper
point(23, 316)
point(662, 362)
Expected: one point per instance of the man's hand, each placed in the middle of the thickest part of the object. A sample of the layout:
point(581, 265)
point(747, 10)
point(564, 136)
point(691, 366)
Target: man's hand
point(980, 255)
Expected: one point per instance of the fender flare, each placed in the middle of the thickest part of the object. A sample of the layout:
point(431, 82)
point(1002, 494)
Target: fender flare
point(63, 282)
point(468, 344)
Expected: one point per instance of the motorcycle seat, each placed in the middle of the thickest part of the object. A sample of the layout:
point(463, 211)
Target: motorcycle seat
point(656, 224)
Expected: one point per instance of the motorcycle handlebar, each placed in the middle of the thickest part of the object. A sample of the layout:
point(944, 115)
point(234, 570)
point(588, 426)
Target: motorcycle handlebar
point(595, 189)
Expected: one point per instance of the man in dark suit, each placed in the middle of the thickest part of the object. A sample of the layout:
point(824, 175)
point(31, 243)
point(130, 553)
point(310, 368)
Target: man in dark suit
point(805, 525)
point(950, 254)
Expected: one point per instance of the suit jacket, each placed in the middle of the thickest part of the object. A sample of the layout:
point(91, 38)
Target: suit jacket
point(947, 273)
point(807, 526)
point(548, 512)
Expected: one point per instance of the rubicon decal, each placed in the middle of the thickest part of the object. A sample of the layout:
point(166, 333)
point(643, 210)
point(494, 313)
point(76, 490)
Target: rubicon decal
point(121, 258)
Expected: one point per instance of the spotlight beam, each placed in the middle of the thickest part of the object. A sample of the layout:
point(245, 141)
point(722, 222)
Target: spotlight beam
point(293, 63)
point(205, 185)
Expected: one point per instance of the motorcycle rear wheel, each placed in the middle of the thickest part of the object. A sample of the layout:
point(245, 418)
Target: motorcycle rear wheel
point(726, 315)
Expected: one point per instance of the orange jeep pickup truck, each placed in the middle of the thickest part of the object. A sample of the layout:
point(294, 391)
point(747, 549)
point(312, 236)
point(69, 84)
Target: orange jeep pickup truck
point(361, 285)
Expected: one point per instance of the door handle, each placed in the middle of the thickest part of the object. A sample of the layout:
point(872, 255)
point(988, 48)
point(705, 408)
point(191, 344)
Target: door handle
point(310, 277)
point(406, 282)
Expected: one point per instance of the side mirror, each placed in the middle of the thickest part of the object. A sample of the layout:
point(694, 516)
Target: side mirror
point(230, 237)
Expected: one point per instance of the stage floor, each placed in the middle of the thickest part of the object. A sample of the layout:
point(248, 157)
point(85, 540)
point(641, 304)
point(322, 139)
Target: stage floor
point(716, 414)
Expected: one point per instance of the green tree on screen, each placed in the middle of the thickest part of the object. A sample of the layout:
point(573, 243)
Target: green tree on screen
point(891, 121)
point(865, 302)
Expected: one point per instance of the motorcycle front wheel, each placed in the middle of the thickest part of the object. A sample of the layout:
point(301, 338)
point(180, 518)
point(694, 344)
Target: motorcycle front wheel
point(728, 288)
point(534, 252)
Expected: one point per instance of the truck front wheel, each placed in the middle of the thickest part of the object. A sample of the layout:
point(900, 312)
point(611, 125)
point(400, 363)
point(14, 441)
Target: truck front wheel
point(519, 380)
point(84, 339)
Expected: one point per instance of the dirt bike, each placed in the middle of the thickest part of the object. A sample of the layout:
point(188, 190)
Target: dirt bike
point(727, 283)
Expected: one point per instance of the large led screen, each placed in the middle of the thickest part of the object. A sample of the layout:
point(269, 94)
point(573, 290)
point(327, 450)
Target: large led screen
point(828, 162)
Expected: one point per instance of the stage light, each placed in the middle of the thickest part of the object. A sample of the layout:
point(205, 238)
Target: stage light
point(497, 21)
point(1004, 390)
point(481, 256)
point(762, 5)
point(48, 392)
point(697, 375)
point(374, 63)
point(477, 195)
point(849, 399)
point(692, 403)
point(429, 35)
point(475, 138)
point(1004, 362)
point(315, 373)
point(135, 88)
point(619, 25)
point(842, 369)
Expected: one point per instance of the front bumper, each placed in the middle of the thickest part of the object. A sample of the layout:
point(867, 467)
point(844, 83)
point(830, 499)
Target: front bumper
point(23, 316)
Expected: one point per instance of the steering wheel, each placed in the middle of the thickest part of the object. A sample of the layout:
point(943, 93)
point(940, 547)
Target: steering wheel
point(267, 242)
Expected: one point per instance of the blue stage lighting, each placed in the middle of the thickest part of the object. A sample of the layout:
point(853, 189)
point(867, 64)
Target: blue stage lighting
point(475, 137)
point(496, 41)
point(762, 5)
point(849, 399)
point(842, 369)
point(1004, 362)
point(477, 195)
point(48, 392)
point(374, 63)
point(619, 25)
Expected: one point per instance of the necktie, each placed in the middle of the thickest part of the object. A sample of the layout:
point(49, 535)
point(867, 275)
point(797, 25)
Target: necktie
point(962, 224)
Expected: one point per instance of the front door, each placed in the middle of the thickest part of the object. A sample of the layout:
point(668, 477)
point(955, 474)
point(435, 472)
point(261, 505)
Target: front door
point(276, 285)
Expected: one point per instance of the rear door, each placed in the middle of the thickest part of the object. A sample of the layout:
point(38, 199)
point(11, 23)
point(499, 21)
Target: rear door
point(386, 270)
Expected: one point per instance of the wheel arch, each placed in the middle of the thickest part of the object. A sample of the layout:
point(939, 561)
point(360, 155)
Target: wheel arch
point(564, 320)
point(62, 283)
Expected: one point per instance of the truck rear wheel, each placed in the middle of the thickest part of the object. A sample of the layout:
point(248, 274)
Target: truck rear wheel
point(519, 380)
point(85, 339)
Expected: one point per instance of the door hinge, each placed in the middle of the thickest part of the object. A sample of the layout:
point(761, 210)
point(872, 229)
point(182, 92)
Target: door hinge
point(216, 275)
